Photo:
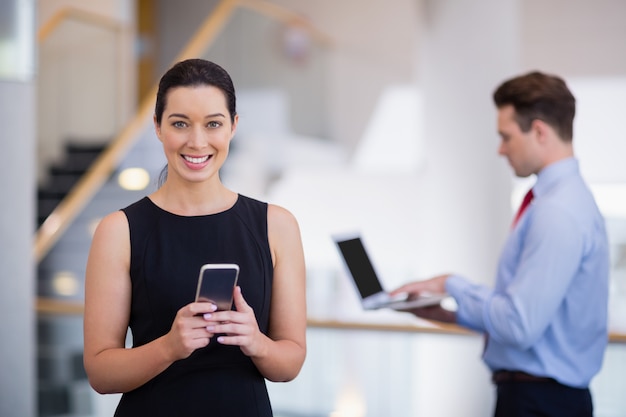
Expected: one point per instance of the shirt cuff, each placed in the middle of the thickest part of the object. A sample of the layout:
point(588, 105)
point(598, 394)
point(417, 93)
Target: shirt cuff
point(469, 298)
point(456, 285)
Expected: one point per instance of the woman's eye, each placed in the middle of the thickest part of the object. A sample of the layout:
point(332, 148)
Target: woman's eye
point(214, 124)
point(179, 124)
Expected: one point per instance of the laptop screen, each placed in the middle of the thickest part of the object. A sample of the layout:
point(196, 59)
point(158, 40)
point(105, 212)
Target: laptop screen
point(359, 265)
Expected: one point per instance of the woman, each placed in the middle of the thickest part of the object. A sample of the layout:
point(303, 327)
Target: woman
point(187, 358)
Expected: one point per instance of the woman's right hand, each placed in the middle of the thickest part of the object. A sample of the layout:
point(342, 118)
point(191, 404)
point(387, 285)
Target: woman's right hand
point(189, 329)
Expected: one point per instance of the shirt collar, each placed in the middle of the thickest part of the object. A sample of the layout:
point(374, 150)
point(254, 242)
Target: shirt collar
point(553, 173)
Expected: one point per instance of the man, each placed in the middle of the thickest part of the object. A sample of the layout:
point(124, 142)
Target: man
point(546, 319)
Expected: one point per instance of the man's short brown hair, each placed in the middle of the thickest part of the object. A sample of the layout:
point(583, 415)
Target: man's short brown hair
point(539, 96)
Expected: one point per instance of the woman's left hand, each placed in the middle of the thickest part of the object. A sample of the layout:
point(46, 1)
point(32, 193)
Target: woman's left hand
point(240, 327)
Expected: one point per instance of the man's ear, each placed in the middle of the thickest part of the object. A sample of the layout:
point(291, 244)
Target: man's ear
point(541, 130)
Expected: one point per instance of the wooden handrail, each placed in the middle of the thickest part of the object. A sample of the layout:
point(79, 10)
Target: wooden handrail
point(75, 308)
point(427, 327)
point(88, 185)
point(69, 12)
point(57, 307)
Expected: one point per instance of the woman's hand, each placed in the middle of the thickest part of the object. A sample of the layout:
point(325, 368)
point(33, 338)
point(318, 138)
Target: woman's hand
point(240, 327)
point(190, 329)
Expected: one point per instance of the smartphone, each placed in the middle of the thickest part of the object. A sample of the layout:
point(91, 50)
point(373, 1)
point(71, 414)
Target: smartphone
point(216, 284)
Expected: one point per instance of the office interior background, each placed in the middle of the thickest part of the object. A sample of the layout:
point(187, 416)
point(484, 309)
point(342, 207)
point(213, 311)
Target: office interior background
point(357, 115)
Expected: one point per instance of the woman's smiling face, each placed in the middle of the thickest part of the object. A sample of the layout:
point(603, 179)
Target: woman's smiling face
point(195, 130)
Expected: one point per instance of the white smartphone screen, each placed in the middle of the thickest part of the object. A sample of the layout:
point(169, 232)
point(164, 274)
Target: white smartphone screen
point(216, 284)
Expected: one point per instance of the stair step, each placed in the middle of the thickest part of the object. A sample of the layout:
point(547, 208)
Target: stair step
point(61, 182)
point(85, 148)
point(51, 194)
point(47, 193)
point(74, 163)
point(45, 206)
point(62, 177)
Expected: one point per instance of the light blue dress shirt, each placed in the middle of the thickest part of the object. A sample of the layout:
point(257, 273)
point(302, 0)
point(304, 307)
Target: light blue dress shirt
point(547, 314)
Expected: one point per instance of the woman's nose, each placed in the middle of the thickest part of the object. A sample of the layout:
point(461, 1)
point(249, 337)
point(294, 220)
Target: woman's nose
point(197, 139)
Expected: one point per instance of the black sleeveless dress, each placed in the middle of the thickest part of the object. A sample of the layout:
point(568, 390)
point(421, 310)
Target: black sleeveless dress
point(167, 252)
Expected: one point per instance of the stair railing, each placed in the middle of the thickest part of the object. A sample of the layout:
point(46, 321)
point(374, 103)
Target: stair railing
point(80, 88)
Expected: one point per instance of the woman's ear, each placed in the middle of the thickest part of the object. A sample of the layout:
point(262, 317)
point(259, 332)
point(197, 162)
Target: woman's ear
point(233, 130)
point(157, 127)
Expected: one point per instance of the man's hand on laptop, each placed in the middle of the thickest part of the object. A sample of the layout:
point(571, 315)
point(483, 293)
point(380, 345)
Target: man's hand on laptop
point(432, 286)
point(425, 288)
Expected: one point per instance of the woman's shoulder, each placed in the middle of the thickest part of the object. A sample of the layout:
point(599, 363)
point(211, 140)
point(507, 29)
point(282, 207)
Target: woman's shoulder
point(272, 209)
point(280, 212)
point(138, 206)
point(142, 213)
point(112, 228)
point(280, 220)
point(250, 207)
point(247, 200)
point(116, 225)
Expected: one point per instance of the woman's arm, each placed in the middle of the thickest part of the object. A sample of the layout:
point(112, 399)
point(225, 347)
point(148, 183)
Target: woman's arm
point(284, 356)
point(110, 366)
point(279, 355)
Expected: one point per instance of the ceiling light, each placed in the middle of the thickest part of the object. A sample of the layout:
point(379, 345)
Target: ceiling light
point(133, 179)
point(65, 283)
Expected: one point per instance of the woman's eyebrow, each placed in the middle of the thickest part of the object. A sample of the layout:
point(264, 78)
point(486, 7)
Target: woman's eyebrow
point(214, 115)
point(184, 116)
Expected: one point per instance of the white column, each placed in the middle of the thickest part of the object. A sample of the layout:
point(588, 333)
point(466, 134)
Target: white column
point(17, 210)
point(467, 49)
point(17, 273)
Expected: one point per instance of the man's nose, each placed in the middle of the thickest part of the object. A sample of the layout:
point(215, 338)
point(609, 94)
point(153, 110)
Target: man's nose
point(502, 149)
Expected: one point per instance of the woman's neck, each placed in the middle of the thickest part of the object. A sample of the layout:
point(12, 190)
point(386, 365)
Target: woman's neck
point(195, 200)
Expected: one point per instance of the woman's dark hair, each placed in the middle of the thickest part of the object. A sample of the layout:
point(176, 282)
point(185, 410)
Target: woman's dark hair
point(539, 96)
point(191, 73)
point(195, 72)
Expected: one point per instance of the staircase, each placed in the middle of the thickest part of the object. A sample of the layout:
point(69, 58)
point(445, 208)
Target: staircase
point(63, 176)
point(62, 386)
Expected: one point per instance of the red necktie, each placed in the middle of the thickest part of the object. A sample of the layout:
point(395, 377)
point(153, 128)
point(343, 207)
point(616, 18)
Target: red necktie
point(525, 202)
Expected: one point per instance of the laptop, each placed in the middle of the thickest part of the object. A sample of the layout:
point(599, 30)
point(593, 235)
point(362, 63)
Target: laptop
point(369, 287)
